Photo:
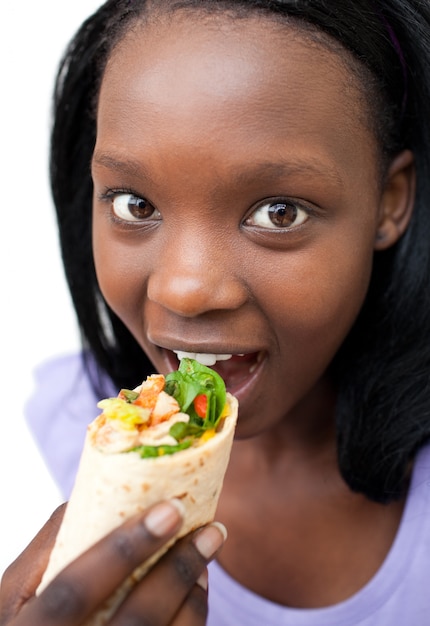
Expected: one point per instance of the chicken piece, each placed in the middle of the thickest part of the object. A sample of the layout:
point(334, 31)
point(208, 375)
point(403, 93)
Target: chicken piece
point(165, 407)
point(149, 391)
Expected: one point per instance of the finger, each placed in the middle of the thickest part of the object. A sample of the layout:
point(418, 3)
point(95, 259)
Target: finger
point(89, 580)
point(194, 610)
point(157, 598)
point(22, 577)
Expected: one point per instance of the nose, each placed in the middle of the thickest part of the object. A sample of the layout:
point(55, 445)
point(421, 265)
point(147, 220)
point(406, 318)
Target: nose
point(193, 279)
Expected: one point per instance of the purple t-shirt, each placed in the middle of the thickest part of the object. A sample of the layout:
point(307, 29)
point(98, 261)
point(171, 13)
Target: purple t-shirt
point(64, 403)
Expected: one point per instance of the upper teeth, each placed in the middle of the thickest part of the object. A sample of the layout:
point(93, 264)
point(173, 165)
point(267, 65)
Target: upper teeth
point(203, 358)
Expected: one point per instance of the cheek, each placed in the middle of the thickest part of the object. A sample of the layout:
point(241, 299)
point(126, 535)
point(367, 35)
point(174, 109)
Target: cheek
point(120, 274)
point(315, 298)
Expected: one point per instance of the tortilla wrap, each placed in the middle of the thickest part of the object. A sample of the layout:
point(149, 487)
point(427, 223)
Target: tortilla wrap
point(112, 486)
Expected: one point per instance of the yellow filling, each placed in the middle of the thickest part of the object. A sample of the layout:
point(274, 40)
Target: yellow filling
point(129, 415)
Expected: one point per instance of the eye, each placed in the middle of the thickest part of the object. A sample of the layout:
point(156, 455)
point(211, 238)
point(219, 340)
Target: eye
point(279, 214)
point(131, 208)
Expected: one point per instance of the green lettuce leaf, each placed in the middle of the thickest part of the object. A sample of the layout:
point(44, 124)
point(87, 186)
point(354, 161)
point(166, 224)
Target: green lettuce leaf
point(147, 452)
point(192, 379)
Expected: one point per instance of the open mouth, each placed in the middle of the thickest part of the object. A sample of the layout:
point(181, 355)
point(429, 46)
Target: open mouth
point(237, 370)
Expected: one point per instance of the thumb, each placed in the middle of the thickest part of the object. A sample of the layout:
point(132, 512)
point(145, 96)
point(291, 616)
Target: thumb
point(21, 579)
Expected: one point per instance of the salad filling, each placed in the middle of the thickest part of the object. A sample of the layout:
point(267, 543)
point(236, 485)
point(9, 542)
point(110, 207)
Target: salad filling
point(165, 414)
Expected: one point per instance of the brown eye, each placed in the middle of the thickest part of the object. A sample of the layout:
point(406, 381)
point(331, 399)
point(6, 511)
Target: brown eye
point(278, 215)
point(131, 208)
point(282, 214)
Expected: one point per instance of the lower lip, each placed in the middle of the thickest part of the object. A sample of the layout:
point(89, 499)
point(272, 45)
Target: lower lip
point(240, 389)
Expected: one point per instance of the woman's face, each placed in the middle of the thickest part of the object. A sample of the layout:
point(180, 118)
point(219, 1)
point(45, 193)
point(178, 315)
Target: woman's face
point(236, 203)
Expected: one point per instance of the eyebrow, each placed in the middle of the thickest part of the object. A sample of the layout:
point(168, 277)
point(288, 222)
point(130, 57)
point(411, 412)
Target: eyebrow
point(125, 166)
point(282, 169)
point(263, 169)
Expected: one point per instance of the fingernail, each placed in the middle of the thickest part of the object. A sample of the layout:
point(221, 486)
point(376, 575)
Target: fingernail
point(203, 580)
point(164, 517)
point(210, 539)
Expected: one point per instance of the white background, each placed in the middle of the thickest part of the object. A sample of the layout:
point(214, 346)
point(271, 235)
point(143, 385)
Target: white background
point(37, 320)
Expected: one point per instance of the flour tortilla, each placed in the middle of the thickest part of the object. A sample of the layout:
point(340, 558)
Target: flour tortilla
point(112, 487)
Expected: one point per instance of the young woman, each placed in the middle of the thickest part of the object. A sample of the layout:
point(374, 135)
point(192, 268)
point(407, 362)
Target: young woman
point(247, 183)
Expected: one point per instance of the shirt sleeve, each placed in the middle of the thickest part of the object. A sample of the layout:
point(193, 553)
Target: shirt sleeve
point(57, 413)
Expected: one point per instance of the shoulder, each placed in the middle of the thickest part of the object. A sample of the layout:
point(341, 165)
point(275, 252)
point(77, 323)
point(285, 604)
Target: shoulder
point(60, 384)
point(58, 410)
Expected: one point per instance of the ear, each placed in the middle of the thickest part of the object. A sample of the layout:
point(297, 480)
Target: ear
point(397, 200)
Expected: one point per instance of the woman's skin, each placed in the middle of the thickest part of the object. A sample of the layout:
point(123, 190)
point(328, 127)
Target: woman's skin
point(208, 129)
point(238, 203)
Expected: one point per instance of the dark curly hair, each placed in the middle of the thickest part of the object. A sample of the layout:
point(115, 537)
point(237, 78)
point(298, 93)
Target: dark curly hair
point(383, 369)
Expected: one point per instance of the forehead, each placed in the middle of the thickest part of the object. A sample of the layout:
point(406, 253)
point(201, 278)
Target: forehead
point(215, 76)
point(218, 49)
